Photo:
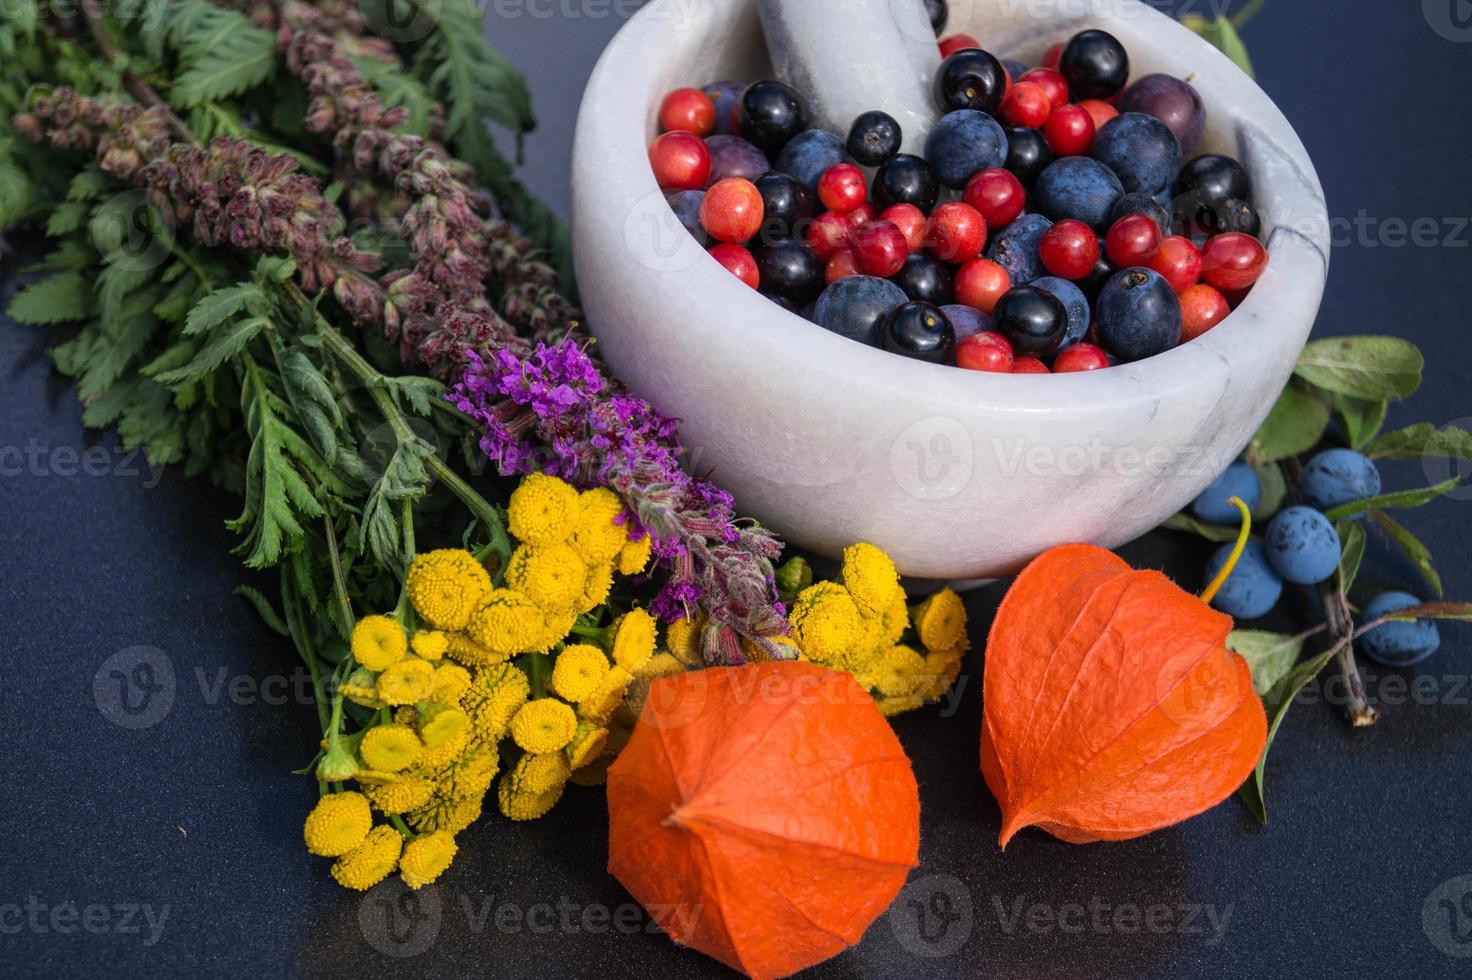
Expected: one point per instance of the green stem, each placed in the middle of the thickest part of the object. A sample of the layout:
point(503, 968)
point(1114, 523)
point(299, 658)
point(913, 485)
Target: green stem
point(339, 578)
point(1240, 18)
point(401, 827)
point(291, 607)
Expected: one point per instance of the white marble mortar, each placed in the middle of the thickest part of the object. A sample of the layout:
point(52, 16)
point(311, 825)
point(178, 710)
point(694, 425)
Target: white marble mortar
point(958, 475)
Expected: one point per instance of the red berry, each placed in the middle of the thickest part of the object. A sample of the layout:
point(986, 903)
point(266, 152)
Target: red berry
point(841, 188)
point(687, 110)
point(989, 351)
point(1029, 365)
point(732, 210)
point(998, 195)
point(980, 283)
point(1080, 357)
point(1069, 249)
point(828, 234)
point(738, 261)
point(863, 214)
point(960, 42)
point(1233, 261)
point(1051, 81)
point(681, 162)
point(1178, 261)
point(908, 219)
point(1053, 57)
point(1202, 307)
point(1069, 131)
point(880, 248)
point(1026, 104)
point(956, 232)
point(1101, 112)
point(841, 266)
point(1133, 241)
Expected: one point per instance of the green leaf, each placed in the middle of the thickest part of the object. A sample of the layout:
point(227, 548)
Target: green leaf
point(1362, 419)
point(1352, 535)
point(1295, 425)
point(1211, 532)
point(1457, 611)
point(222, 348)
point(1222, 34)
point(1420, 441)
point(1274, 491)
point(1411, 547)
point(1372, 368)
point(56, 299)
point(1277, 702)
point(263, 608)
point(1270, 655)
point(221, 52)
point(67, 218)
point(215, 308)
point(1399, 500)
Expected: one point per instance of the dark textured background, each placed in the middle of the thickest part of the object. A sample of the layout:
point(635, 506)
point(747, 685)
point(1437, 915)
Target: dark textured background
point(198, 814)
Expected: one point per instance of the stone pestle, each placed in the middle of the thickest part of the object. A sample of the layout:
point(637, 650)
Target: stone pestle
point(847, 57)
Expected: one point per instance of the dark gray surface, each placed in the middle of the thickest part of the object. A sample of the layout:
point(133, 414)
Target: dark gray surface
point(199, 814)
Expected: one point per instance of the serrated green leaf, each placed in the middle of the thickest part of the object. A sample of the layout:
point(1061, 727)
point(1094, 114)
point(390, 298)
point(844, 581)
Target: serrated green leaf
point(1270, 655)
point(1295, 425)
point(1416, 552)
point(225, 345)
point(61, 298)
point(1420, 441)
point(1372, 368)
point(1191, 525)
point(67, 217)
point(89, 184)
point(1362, 419)
point(15, 193)
point(1277, 702)
point(215, 308)
point(221, 52)
point(1399, 500)
point(1352, 553)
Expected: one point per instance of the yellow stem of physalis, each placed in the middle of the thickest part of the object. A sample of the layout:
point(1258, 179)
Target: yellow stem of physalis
point(1242, 538)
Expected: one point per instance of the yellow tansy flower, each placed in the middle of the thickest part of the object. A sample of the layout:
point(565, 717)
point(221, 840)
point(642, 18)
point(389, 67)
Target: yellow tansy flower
point(450, 681)
point(596, 586)
point(555, 628)
point(600, 704)
point(896, 619)
point(941, 670)
point(552, 576)
point(900, 672)
point(682, 637)
point(634, 556)
point(493, 699)
point(534, 786)
point(446, 586)
point(870, 577)
point(465, 650)
point(508, 622)
point(633, 639)
point(941, 621)
point(409, 793)
point(371, 861)
point(446, 751)
point(469, 775)
point(599, 537)
point(378, 642)
point(429, 644)
point(826, 623)
point(543, 510)
point(406, 682)
point(578, 671)
point(449, 814)
point(390, 748)
point(361, 687)
point(426, 858)
point(544, 725)
point(441, 724)
point(586, 745)
point(337, 824)
point(769, 648)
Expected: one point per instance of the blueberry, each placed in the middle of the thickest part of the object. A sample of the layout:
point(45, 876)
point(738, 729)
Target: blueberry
point(857, 306)
point(920, 331)
point(686, 205)
point(963, 144)
point(770, 114)
point(1217, 177)
point(968, 320)
point(1240, 480)
point(1095, 65)
point(905, 179)
point(1028, 154)
point(1302, 545)
point(1141, 150)
point(724, 95)
point(1016, 248)
point(808, 154)
point(787, 204)
point(1145, 204)
point(874, 138)
point(1139, 315)
point(1014, 68)
point(1074, 301)
point(1171, 100)
point(791, 270)
point(939, 12)
point(732, 156)
point(1338, 476)
point(970, 79)
point(1034, 320)
point(1253, 588)
point(1397, 644)
point(925, 277)
point(1079, 187)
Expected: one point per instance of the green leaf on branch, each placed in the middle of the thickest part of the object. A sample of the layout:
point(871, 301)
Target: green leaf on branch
point(1399, 500)
point(221, 52)
point(1277, 702)
point(1416, 552)
point(1221, 33)
point(1352, 554)
point(1362, 418)
point(263, 608)
point(1274, 491)
point(1191, 525)
point(225, 345)
point(1456, 611)
point(219, 306)
point(1371, 368)
point(1270, 655)
point(61, 298)
point(1295, 425)
point(1420, 441)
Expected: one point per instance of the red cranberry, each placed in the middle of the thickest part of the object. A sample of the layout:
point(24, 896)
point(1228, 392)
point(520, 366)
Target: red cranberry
point(1051, 81)
point(1069, 249)
point(732, 210)
point(956, 232)
point(908, 219)
point(1069, 131)
point(841, 266)
point(980, 283)
point(998, 195)
point(1053, 57)
point(1101, 112)
point(1233, 261)
point(738, 261)
point(1029, 365)
point(960, 42)
point(989, 351)
point(1202, 307)
point(841, 188)
point(1178, 261)
point(864, 214)
point(1080, 357)
point(1026, 104)
point(1132, 241)
point(829, 234)
point(681, 162)
point(880, 248)
point(687, 110)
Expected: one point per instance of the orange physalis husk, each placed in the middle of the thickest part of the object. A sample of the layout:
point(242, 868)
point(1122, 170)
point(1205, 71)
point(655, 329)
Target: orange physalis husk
point(1112, 705)
point(764, 815)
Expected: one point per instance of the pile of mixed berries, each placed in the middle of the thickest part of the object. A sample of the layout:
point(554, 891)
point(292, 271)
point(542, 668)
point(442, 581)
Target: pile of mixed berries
point(1052, 224)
